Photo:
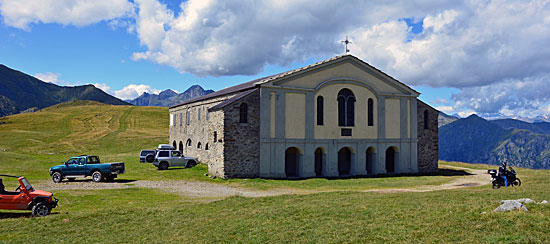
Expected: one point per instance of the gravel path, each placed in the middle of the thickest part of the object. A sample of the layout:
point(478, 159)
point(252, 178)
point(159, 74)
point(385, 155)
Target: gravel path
point(205, 190)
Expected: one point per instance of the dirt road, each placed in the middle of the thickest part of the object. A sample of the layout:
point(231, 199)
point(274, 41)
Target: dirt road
point(211, 191)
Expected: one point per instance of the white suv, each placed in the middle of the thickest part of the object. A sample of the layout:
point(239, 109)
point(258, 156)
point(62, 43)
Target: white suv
point(173, 158)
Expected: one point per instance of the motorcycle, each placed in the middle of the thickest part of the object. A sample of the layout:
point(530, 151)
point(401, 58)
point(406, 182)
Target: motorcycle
point(498, 181)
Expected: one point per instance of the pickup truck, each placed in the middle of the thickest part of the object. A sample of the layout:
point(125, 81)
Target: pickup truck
point(83, 166)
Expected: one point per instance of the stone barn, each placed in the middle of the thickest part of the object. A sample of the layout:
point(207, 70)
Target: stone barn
point(335, 118)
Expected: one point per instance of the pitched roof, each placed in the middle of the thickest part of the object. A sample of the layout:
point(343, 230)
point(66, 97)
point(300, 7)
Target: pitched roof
point(257, 82)
point(233, 99)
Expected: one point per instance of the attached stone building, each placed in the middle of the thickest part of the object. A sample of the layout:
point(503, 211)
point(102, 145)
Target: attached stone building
point(338, 117)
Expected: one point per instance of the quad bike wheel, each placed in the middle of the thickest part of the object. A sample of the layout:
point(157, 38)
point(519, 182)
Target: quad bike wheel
point(41, 209)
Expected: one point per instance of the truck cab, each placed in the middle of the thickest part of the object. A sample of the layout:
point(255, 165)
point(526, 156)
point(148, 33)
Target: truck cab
point(83, 166)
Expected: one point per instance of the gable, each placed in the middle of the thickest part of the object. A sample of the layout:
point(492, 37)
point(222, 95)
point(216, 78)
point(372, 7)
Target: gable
point(344, 70)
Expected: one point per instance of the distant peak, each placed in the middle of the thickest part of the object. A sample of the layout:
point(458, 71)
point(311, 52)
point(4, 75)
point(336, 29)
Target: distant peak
point(167, 91)
point(195, 87)
point(473, 116)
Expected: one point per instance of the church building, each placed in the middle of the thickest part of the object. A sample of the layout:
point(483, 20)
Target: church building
point(339, 117)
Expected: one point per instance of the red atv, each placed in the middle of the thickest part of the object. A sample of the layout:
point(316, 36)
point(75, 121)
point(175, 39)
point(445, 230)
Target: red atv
point(26, 198)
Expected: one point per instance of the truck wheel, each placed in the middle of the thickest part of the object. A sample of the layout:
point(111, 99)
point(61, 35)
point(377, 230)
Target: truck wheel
point(149, 158)
point(97, 176)
point(40, 209)
point(56, 177)
point(163, 166)
point(190, 163)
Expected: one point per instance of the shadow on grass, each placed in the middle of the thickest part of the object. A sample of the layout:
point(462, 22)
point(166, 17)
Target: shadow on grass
point(173, 168)
point(439, 172)
point(115, 181)
point(7, 215)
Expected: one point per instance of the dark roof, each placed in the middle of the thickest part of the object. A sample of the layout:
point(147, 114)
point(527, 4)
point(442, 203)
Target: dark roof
point(233, 99)
point(226, 91)
point(251, 84)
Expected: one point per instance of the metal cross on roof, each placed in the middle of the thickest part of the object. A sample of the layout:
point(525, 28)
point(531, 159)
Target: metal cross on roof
point(346, 42)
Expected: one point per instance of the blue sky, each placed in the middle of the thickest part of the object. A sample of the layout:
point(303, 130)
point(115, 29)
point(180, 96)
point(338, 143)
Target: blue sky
point(485, 57)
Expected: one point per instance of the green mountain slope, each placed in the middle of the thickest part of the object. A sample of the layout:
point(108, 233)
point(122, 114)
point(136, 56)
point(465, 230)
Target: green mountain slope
point(19, 92)
point(475, 140)
point(33, 142)
point(537, 127)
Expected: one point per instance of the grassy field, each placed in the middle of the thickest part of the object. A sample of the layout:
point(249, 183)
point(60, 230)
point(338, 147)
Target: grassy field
point(34, 142)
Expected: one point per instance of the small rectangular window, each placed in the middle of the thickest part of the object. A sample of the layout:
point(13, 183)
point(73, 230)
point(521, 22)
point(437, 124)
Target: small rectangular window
point(346, 132)
point(199, 114)
point(172, 123)
point(187, 118)
point(207, 117)
point(181, 119)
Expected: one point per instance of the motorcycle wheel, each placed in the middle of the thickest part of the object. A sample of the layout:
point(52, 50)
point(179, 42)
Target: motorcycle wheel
point(496, 185)
point(517, 182)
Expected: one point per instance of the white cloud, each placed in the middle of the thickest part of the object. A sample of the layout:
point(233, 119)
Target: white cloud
point(214, 38)
point(48, 77)
point(445, 109)
point(479, 47)
point(133, 91)
point(55, 78)
point(104, 87)
point(21, 14)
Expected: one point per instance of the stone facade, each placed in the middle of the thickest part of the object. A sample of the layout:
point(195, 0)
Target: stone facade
point(242, 140)
point(428, 138)
point(200, 131)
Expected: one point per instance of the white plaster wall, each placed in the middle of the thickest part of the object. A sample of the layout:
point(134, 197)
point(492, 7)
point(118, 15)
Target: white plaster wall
point(295, 115)
point(393, 118)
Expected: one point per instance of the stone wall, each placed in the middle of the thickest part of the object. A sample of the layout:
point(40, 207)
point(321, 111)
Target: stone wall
point(242, 140)
point(201, 131)
point(428, 139)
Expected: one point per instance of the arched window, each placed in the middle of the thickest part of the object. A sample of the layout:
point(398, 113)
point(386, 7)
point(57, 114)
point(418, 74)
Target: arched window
point(370, 112)
point(346, 108)
point(320, 110)
point(243, 111)
point(174, 144)
point(426, 119)
point(199, 145)
point(206, 146)
point(188, 142)
point(181, 146)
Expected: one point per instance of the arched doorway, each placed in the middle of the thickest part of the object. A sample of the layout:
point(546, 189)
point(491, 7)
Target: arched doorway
point(390, 160)
point(174, 145)
point(181, 146)
point(371, 158)
point(319, 162)
point(344, 161)
point(291, 162)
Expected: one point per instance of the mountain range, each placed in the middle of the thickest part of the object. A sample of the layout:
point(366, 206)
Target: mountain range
point(168, 98)
point(476, 140)
point(20, 92)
